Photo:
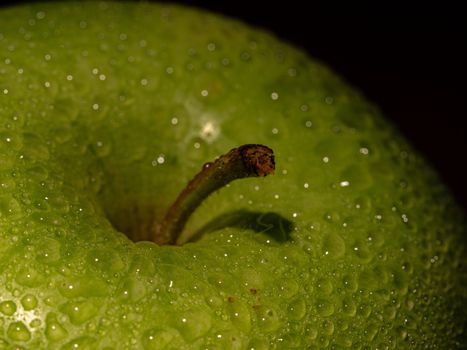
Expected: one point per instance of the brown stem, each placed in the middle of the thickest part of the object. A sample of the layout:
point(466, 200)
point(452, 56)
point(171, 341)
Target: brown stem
point(244, 161)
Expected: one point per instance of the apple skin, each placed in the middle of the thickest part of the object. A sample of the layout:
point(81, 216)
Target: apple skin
point(108, 109)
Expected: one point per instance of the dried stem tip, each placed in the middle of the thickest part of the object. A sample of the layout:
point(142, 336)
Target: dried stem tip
point(244, 161)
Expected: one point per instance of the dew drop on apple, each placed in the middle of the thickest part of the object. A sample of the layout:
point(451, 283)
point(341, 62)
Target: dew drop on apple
point(10, 140)
point(349, 307)
point(7, 307)
point(54, 330)
point(297, 309)
point(324, 286)
point(269, 320)
point(325, 307)
point(333, 246)
point(288, 288)
point(194, 324)
point(29, 302)
point(8, 205)
point(102, 148)
point(239, 314)
point(158, 339)
point(17, 331)
point(350, 283)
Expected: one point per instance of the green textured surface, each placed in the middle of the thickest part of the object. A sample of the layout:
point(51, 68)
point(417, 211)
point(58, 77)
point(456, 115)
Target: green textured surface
point(107, 110)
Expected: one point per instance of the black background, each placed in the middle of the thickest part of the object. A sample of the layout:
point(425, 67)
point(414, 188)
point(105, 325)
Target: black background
point(408, 59)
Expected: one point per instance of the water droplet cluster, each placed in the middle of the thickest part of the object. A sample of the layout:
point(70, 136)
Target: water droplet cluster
point(103, 120)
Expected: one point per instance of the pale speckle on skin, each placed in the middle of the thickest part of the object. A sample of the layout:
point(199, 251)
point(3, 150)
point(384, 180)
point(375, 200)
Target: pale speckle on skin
point(274, 96)
point(40, 15)
point(211, 47)
point(292, 72)
point(364, 151)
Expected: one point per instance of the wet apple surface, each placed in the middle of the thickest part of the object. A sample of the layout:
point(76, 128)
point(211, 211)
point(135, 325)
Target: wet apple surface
point(107, 110)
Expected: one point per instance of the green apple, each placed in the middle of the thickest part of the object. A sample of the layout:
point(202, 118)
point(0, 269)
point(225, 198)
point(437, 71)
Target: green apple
point(107, 110)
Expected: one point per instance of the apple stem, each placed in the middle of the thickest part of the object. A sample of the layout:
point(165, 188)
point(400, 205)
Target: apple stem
point(249, 160)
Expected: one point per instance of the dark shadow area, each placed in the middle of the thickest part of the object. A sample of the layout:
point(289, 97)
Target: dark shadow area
point(272, 224)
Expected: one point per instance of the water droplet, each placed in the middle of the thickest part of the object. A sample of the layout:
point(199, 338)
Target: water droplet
point(269, 320)
point(157, 339)
point(83, 342)
point(349, 307)
point(288, 288)
point(159, 160)
point(311, 332)
point(134, 289)
point(12, 141)
point(54, 330)
point(35, 323)
point(29, 302)
point(8, 206)
point(324, 286)
point(240, 315)
point(350, 283)
point(297, 309)
point(364, 310)
point(324, 307)
point(333, 246)
point(48, 251)
point(327, 327)
point(390, 313)
point(194, 324)
point(80, 311)
point(7, 307)
point(29, 277)
point(83, 287)
point(258, 344)
point(362, 251)
point(18, 331)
